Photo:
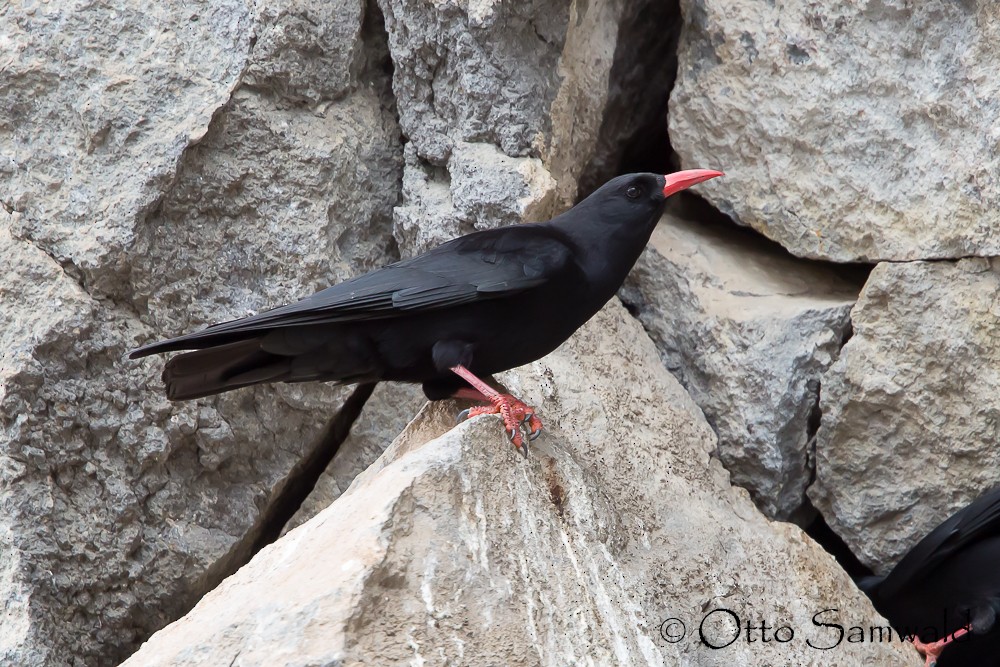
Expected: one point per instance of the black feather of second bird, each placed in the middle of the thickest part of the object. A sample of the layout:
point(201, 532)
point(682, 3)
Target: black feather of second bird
point(951, 577)
point(491, 300)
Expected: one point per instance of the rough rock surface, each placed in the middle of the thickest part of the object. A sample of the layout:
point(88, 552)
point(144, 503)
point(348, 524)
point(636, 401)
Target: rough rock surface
point(509, 95)
point(458, 551)
point(911, 418)
point(384, 416)
point(749, 331)
point(481, 188)
point(852, 131)
point(162, 172)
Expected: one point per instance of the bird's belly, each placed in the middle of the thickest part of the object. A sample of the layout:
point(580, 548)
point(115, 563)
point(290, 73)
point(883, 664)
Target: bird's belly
point(502, 334)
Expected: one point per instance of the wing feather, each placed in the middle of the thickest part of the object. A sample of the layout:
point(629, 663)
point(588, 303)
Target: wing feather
point(484, 265)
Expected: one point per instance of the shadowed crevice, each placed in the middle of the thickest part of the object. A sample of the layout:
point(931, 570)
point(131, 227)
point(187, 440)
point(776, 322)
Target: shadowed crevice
point(302, 478)
point(633, 134)
point(822, 534)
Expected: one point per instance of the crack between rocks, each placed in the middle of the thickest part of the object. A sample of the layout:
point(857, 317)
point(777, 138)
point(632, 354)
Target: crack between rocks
point(302, 478)
point(64, 266)
point(296, 487)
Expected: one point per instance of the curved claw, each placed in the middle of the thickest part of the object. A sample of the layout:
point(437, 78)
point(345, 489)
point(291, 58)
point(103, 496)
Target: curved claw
point(529, 417)
point(462, 416)
point(524, 449)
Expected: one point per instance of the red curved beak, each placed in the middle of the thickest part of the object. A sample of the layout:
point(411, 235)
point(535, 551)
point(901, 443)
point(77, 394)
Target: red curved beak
point(682, 180)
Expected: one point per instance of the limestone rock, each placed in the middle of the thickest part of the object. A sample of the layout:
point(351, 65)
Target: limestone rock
point(96, 109)
point(749, 331)
point(482, 188)
point(383, 417)
point(851, 131)
point(510, 96)
point(456, 550)
point(151, 190)
point(910, 412)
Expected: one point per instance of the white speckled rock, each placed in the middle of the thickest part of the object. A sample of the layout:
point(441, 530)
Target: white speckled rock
point(749, 331)
point(853, 131)
point(455, 550)
point(911, 416)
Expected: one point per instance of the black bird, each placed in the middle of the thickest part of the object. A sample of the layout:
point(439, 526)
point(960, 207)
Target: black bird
point(946, 589)
point(476, 305)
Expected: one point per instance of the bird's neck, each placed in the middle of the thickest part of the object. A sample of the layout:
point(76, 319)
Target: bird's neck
point(606, 251)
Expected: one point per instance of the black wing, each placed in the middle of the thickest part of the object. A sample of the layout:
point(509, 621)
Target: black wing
point(483, 265)
point(977, 521)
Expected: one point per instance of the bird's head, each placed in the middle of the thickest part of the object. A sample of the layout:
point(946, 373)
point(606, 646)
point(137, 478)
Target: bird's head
point(641, 196)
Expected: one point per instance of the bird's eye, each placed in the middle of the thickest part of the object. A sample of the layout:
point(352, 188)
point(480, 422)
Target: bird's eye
point(632, 192)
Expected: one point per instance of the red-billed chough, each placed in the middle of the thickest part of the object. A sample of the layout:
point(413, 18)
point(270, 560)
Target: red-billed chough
point(477, 305)
point(945, 592)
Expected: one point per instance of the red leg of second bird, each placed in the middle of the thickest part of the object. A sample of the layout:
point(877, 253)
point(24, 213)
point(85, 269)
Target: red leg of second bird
point(932, 652)
point(513, 411)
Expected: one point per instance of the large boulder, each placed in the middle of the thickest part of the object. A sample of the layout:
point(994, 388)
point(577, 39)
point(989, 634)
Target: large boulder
point(505, 105)
point(911, 417)
point(851, 131)
point(619, 528)
point(749, 331)
point(161, 173)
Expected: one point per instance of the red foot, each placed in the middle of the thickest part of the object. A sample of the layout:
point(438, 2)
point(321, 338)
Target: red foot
point(515, 414)
point(932, 652)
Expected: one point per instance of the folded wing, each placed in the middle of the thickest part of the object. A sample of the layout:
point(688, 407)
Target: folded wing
point(486, 265)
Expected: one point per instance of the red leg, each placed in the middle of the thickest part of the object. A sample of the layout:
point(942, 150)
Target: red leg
point(515, 413)
point(470, 394)
point(932, 652)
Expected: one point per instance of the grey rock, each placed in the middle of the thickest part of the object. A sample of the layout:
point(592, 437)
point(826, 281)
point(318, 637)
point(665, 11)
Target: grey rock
point(850, 131)
point(482, 188)
point(481, 83)
point(97, 107)
point(749, 331)
point(454, 549)
point(910, 413)
point(152, 191)
point(307, 50)
point(478, 72)
point(384, 416)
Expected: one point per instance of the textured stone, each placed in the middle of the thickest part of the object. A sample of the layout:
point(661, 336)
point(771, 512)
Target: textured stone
point(851, 131)
point(384, 416)
point(749, 331)
point(457, 550)
point(482, 189)
point(152, 189)
point(96, 109)
point(486, 90)
point(911, 418)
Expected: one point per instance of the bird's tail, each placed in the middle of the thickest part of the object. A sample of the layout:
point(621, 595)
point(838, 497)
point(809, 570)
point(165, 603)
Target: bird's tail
point(221, 368)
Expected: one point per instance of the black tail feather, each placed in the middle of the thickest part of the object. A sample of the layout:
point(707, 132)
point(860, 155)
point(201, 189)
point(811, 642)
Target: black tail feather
point(222, 368)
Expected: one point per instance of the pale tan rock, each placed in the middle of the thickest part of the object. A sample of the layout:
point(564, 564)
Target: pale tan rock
point(749, 331)
point(457, 551)
point(910, 410)
point(850, 131)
